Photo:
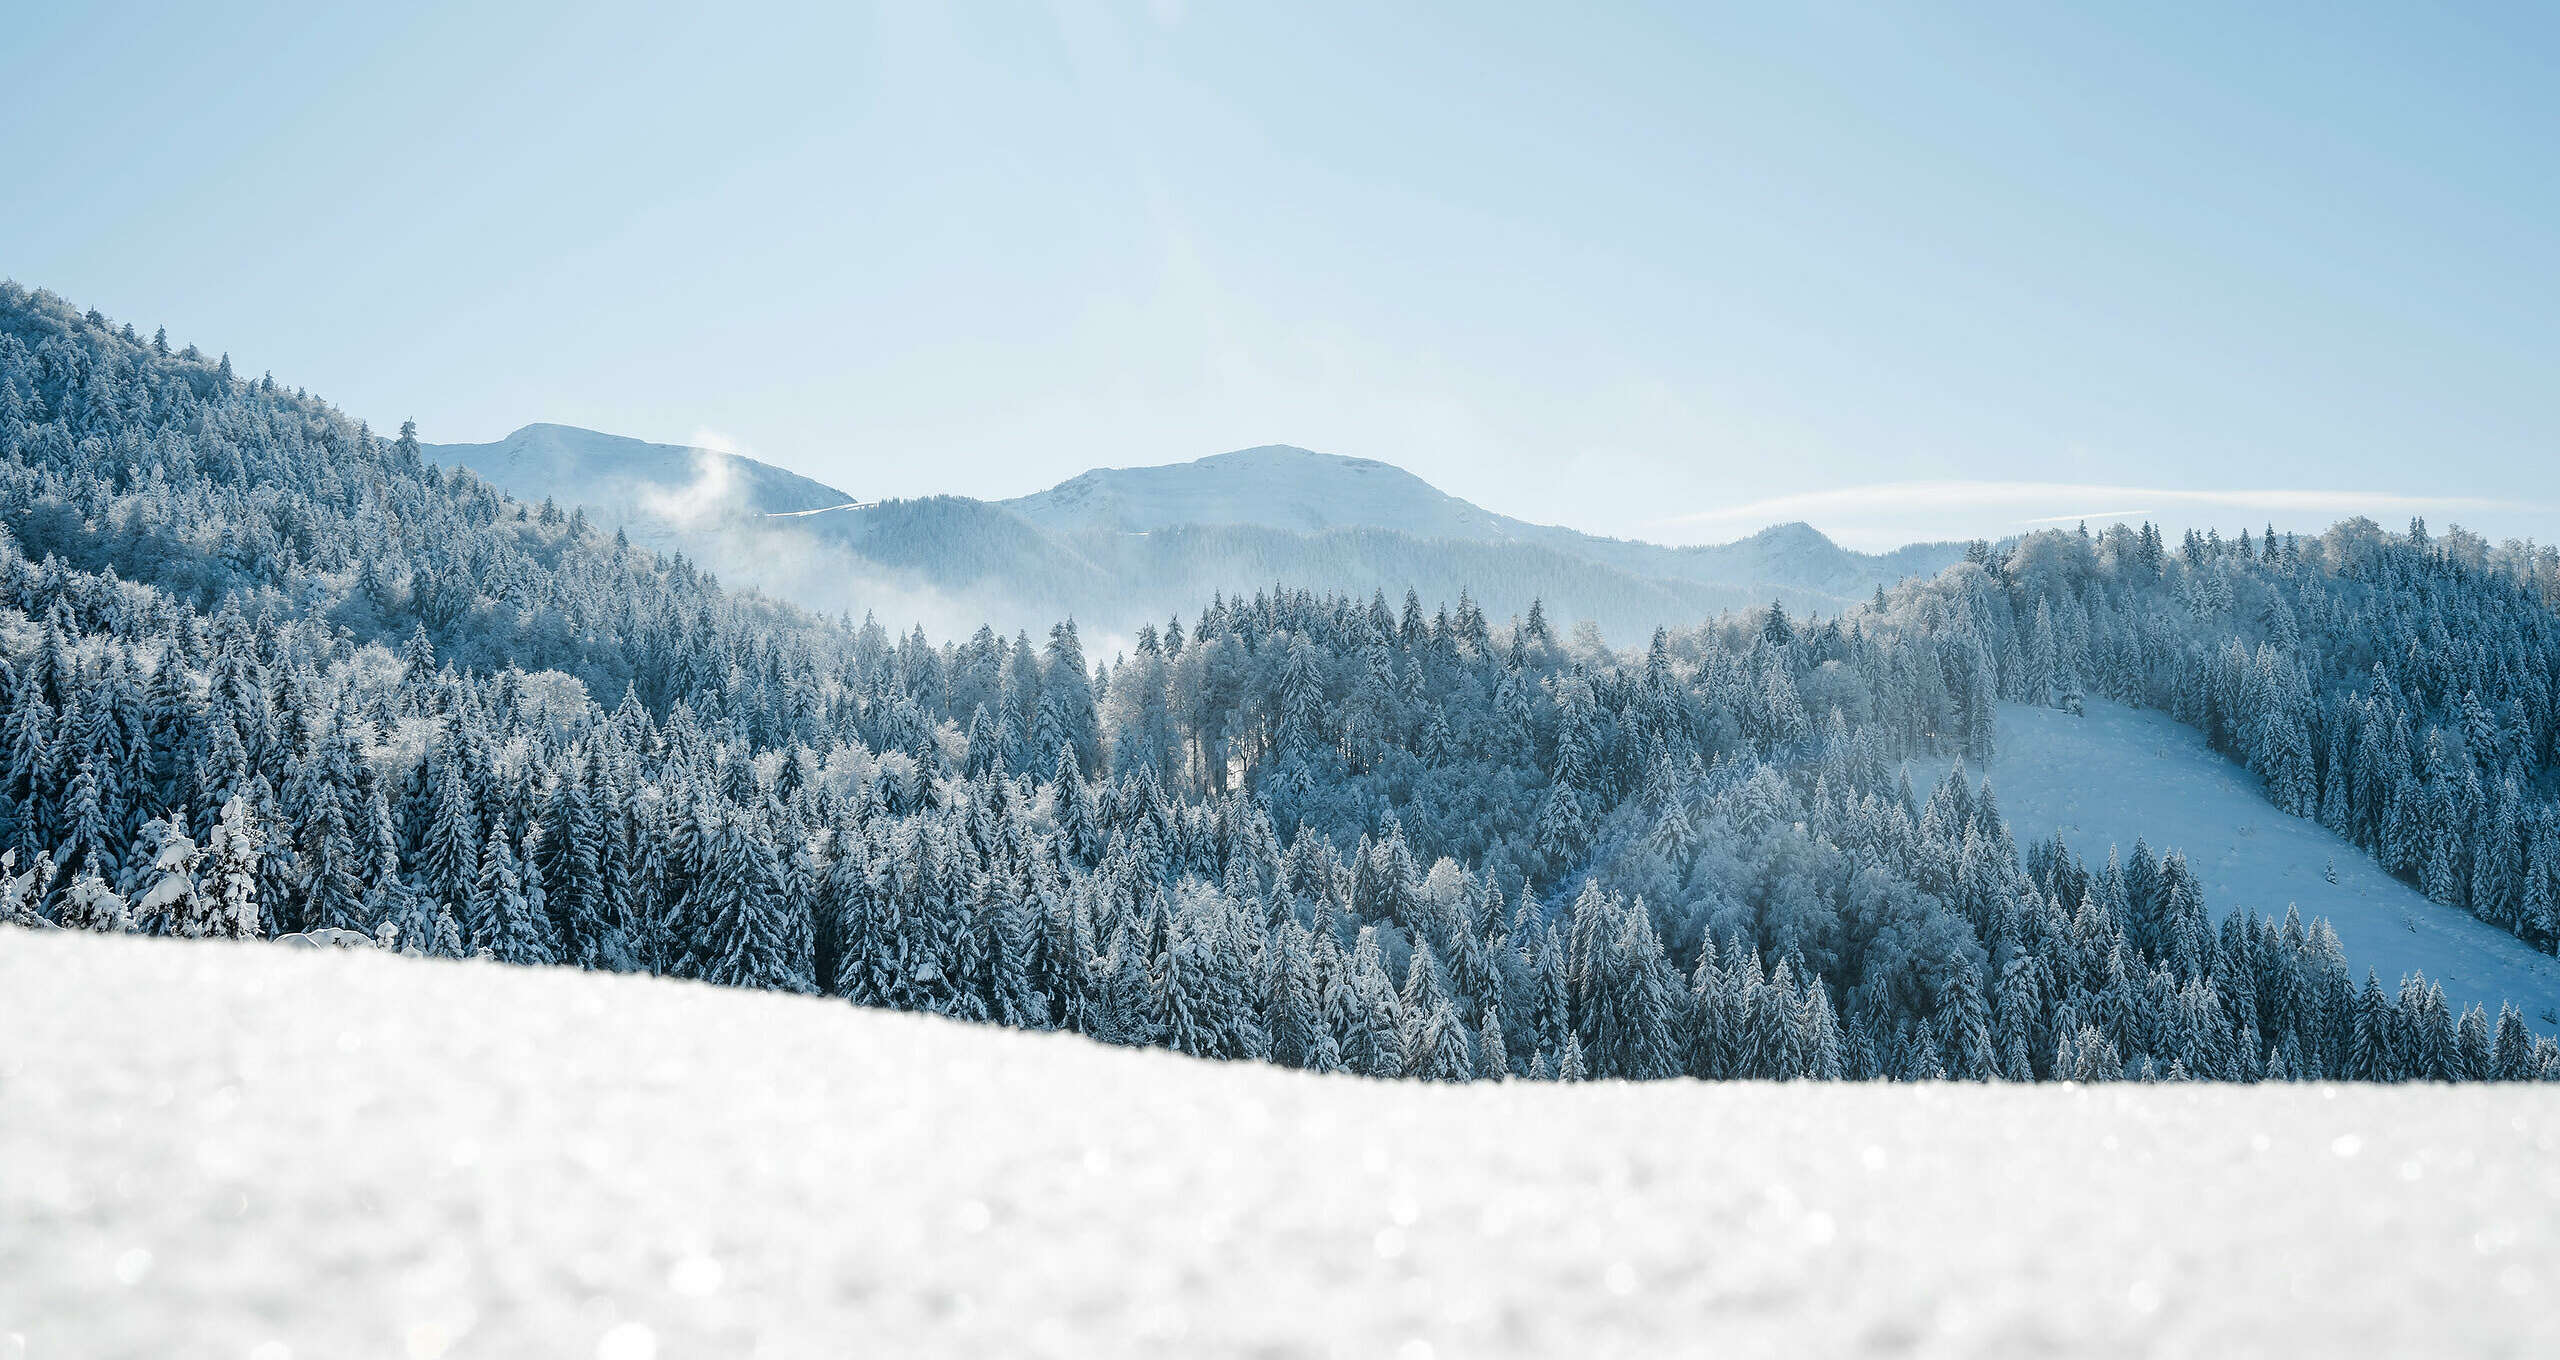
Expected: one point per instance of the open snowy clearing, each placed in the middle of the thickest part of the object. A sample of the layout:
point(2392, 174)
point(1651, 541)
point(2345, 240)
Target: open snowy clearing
point(236, 1150)
point(2120, 772)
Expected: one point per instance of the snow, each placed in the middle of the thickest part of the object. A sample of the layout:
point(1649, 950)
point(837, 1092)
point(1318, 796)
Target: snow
point(1282, 487)
point(2120, 772)
point(632, 483)
point(1275, 486)
point(821, 510)
point(230, 1149)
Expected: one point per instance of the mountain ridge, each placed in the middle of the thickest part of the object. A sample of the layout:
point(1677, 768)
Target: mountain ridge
point(1115, 546)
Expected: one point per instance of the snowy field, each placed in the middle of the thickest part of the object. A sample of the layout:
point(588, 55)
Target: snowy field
point(252, 1151)
point(2119, 773)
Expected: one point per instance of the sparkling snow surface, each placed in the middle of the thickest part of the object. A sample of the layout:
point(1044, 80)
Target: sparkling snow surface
point(241, 1150)
point(2119, 773)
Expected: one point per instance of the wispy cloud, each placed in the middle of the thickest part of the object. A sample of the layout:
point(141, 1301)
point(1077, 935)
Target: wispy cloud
point(2100, 515)
point(1884, 512)
point(707, 495)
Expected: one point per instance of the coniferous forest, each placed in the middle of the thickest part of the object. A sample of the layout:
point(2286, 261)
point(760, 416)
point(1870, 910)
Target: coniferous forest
point(265, 672)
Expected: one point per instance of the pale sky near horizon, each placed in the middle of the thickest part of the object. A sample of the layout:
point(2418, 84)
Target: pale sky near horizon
point(1672, 272)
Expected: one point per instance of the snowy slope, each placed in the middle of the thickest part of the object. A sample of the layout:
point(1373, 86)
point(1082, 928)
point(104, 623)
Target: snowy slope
point(228, 1150)
point(1275, 487)
point(752, 524)
point(2120, 773)
point(632, 482)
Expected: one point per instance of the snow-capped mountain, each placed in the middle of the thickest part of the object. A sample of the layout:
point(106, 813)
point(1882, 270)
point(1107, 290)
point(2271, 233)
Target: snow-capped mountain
point(1275, 486)
point(656, 491)
point(1118, 545)
point(1278, 486)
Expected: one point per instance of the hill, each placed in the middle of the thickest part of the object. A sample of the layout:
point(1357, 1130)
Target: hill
point(215, 1148)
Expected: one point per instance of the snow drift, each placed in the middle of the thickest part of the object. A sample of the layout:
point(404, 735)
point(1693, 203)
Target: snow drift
point(234, 1149)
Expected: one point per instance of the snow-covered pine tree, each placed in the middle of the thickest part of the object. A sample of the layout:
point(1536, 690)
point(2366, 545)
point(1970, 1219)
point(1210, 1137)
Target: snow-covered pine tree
point(504, 918)
point(166, 896)
point(228, 895)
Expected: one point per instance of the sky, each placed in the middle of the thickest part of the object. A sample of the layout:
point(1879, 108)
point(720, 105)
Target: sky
point(1671, 273)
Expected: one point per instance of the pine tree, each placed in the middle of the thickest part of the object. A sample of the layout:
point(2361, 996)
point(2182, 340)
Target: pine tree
point(1363, 1011)
point(566, 857)
point(1067, 712)
point(2088, 1056)
point(167, 896)
point(228, 895)
point(1299, 1035)
point(2513, 1048)
point(1193, 1022)
point(1827, 1059)
point(447, 939)
point(84, 844)
point(1017, 999)
point(1493, 1063)
point(504, 919)
point(747, 931)
point(1968, 1053)
point(334, 895)
point(1133, 1007)
point(90, 904)
point(1441, 1049)
point(448, 858)
point(387, 899)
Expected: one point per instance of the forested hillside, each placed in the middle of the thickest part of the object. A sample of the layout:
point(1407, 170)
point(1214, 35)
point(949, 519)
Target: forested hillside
point(2403, 690)
point(267, 672)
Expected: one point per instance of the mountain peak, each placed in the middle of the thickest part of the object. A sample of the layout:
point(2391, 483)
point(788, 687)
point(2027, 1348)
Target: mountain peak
point(1277, 486)
point(1286, 453)
point(1795, 534)
point(619, 475)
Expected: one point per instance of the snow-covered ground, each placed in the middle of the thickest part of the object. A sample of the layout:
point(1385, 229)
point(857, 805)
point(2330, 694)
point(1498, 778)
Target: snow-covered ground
point(2119, 773)
point(242, 1150)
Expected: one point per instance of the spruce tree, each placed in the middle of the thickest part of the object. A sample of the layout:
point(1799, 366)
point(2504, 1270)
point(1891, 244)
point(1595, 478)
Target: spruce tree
point(228, 894)
point(504, 919)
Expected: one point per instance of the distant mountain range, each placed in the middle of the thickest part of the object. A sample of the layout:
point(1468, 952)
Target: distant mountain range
point(1116, 546)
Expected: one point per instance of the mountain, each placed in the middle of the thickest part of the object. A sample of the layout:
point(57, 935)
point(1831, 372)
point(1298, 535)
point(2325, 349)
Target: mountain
point(188, 1125)
point(656, 491)
point(1272, 487)
point(1117, 546)
point(1281, 487)
point(1297, 490)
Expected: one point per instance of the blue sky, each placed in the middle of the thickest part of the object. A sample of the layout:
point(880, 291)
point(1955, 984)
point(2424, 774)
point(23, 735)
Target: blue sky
point(1669, 272)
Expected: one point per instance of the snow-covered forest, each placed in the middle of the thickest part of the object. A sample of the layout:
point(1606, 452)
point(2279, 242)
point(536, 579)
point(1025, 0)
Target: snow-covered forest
point(269, 673)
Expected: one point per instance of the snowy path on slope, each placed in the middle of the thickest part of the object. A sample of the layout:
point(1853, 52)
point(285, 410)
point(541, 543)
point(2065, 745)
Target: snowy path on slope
point(821, 510)
point(2119, 773)
point(222, 1149)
